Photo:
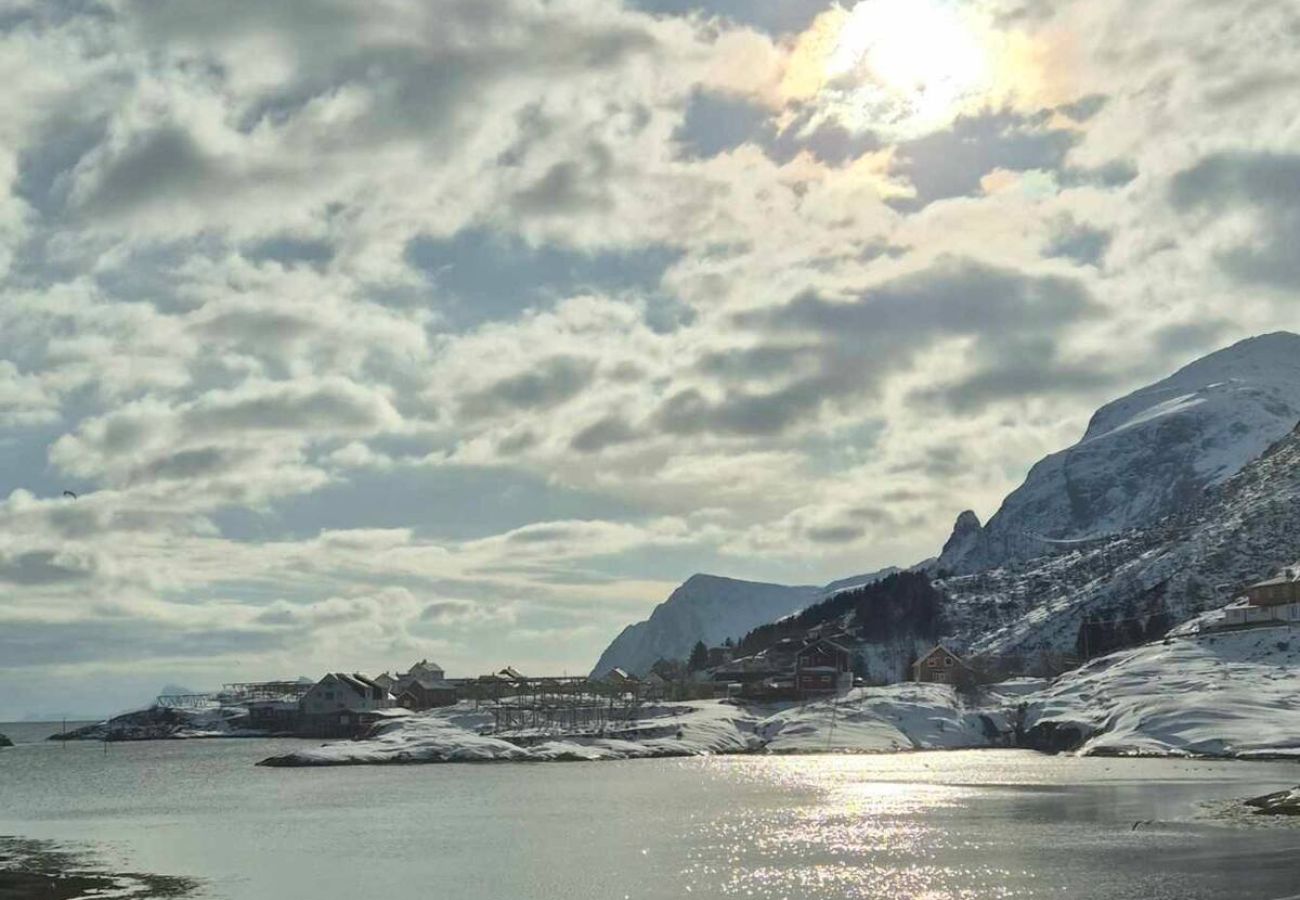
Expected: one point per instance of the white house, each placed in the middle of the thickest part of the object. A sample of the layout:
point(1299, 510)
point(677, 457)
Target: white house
point(341, 692)
point(1274, 600)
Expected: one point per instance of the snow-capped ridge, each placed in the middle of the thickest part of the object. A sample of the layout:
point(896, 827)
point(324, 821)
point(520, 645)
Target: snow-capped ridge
point(1145, 455)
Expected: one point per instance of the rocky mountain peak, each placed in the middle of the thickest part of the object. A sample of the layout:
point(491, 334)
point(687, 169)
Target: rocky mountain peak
point(965, 537)
point(1146, 455)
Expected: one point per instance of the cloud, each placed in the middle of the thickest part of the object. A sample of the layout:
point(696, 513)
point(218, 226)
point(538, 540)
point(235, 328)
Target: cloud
point(607, 432)
point(953, 162)
point(44, 567)
point(491, 275)
point(874, 333)
point(1076, 241)
point(354, 326)
point(551, 383)
point(1267, 184)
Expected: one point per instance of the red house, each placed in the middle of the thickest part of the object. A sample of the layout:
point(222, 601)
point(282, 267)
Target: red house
point(941, 666)
point(822, 668)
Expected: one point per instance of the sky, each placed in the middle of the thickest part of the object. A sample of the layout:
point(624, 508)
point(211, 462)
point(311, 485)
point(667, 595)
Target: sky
point(467, 329)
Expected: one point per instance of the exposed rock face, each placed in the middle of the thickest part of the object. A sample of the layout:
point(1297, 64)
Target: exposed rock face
point(5, 742)
point(1240, 531)
point(965, 540)
point(1145, 456)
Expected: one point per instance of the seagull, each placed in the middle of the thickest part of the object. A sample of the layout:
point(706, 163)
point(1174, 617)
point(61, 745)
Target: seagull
point(70, 494)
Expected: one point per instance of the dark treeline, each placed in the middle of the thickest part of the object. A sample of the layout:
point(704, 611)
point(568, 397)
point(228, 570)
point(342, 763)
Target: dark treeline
point(905, 604)
point(1099, 635)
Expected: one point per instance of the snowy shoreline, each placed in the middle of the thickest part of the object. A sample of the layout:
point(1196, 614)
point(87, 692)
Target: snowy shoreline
point(1216, 696)
point(880, 720)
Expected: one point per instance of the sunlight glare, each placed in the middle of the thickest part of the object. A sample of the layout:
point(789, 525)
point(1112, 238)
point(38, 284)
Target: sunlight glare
point(897, 66)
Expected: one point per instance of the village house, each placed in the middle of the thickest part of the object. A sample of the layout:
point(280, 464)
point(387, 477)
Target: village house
point(340, 704)
point(942, 666)
point(274, 715)
point(423, 670)
point(822, 668)
point(1276, 600)
point(427, 693)
point(618, 677)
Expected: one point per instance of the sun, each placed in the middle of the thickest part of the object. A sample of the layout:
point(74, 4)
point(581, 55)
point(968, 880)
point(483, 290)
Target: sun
point(896, 66)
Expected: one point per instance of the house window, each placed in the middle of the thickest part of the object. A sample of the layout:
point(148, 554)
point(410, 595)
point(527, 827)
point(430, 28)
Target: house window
point(933, 663)
point(947, 661)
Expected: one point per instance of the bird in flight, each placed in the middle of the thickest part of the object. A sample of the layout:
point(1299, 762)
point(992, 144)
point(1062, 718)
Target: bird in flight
point(70, 494)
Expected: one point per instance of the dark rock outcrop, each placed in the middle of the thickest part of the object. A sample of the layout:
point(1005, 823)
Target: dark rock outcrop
point(1056, 737)
point(1282, 803)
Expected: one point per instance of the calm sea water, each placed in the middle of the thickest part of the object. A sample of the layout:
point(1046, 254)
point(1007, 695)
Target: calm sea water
point(940, 826)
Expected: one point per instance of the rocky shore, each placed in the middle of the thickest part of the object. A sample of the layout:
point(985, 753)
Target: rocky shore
point(1281, 803)
point(30, 869)
point(165, 723)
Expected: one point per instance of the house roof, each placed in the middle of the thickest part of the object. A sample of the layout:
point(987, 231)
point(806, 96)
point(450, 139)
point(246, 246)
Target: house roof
point(938, 648)
point(430, 684)
point(359, 683)
point(1288, 577)
point(822, 643)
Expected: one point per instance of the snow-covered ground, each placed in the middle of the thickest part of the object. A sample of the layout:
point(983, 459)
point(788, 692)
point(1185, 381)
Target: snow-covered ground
point(898, 717)
point(1229, 694)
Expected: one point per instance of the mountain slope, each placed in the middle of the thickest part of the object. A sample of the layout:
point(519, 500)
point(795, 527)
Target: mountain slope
point(711, 609)
point(705, 608)
point(1242, 530)
point(1144, 456)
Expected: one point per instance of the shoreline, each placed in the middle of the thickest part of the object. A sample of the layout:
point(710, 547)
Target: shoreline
point(53, 871)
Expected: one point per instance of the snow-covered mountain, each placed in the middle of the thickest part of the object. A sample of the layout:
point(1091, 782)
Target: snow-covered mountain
point(1241, 530)
point(1144, 456)
point(711, 609)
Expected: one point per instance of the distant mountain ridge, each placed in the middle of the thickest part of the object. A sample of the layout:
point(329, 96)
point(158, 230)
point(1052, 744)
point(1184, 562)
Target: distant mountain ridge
point(1143, 456)
point(710, 608)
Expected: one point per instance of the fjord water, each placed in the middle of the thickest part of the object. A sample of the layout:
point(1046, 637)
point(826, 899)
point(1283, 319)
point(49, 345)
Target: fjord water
point(943, 826)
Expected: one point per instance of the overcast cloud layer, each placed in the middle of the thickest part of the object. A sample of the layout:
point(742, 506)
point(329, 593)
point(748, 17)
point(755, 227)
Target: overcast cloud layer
point(468, 328)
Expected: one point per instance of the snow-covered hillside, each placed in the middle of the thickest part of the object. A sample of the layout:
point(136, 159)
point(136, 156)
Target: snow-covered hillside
point(1144, 456)
point(711, 609)
point(1229, 694)
point(1244, 529)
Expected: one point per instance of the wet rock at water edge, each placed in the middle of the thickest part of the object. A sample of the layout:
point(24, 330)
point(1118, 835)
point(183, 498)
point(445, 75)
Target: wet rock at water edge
point(1281, 803)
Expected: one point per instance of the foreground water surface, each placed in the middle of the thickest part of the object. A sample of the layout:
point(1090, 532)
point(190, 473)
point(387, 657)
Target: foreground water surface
point(969, 824)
